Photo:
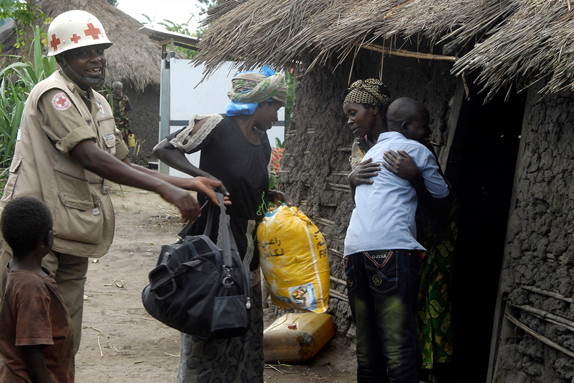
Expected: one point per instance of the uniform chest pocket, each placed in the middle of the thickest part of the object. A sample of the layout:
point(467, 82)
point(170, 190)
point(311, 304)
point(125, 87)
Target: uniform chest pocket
point(107, 133)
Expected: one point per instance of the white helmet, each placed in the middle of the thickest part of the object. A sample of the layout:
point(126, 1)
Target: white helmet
point(75, 29)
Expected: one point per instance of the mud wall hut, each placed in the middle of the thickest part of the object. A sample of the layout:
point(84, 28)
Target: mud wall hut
point(133, 59)
point(498, 79)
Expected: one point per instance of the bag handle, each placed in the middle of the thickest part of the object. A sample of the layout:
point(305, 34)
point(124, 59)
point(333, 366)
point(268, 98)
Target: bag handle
point(227, 242)
point(211, 215)
point(161, 278)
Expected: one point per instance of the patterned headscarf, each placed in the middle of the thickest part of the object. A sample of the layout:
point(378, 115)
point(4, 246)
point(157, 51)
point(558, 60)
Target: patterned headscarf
point(370, 92)
point(248, 89)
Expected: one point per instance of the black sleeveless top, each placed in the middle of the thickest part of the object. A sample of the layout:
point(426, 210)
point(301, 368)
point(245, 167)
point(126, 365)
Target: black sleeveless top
point(242, 167)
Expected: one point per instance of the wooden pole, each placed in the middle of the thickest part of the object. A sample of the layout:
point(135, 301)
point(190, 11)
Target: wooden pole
point(538, 336)
point(405, 53)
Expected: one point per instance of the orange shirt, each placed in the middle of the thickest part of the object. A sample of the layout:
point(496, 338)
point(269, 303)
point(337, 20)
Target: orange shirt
point(33, 313)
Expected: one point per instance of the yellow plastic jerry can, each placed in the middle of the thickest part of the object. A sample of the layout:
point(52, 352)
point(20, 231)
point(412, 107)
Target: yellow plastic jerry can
point(297, 337)
point(131, 140)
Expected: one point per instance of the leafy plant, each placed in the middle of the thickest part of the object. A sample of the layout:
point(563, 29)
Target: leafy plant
point(18, 79)
point(24, 13)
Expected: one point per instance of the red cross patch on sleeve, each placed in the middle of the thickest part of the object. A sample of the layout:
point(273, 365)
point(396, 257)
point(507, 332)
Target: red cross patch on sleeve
point(60, 101)
point(101, 107)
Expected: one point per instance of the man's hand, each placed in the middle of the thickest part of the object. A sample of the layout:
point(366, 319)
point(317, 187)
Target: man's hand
point(363, 172)
point(187, 205)
point(208, 187)
point(401, 164)
point(220, 187)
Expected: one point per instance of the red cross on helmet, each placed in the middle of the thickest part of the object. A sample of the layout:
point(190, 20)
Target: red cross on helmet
point(75, 29)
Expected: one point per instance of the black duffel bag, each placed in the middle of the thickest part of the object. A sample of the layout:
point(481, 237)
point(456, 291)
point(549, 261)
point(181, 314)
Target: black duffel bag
point(199, 288)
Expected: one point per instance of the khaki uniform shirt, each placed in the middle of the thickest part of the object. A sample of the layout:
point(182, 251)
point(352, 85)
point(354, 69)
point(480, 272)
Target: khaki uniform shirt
point(56, 118)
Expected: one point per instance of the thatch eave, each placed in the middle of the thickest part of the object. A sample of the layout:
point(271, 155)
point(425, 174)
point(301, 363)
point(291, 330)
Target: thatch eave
point(536, 42)
point(508, 43)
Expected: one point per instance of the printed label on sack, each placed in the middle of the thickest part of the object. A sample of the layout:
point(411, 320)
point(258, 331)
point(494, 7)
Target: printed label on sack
point(304, 296)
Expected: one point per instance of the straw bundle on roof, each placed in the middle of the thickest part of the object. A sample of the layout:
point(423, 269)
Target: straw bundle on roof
point(511, 42)
point(535, 42)
point(259, 33)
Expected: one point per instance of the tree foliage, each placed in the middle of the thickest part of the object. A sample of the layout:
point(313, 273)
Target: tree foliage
point(186, 28)
point(183, 29)
point(205, 5)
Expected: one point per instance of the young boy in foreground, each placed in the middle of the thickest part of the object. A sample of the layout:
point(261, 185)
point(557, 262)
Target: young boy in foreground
point(36, 343)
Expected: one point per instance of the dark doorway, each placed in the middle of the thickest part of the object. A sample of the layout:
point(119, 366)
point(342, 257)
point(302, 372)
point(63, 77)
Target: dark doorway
point(481, 169)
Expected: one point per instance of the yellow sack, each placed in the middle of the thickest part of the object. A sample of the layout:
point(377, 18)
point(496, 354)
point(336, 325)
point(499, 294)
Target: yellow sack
point(293, 257)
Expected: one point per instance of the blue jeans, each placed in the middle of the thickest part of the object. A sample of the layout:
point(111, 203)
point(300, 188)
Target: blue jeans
point(383, 287)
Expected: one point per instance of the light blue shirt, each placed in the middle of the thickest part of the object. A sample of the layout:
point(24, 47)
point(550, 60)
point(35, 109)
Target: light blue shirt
point(384, 216)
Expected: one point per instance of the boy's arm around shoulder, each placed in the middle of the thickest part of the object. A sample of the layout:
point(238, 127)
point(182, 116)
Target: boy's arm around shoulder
point(437, 207)
point(433, 190)
point(430, 173)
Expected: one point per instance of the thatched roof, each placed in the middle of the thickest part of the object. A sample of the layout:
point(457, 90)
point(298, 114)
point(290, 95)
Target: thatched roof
point(510, 42)
point(133, 58)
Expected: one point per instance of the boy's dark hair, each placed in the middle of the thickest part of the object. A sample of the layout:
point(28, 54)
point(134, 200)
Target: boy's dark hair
point(25, 221)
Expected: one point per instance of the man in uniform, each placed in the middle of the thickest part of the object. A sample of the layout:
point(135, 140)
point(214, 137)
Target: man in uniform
point(68, 148)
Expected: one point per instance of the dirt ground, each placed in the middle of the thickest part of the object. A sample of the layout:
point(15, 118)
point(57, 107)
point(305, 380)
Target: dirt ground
point(122, 343)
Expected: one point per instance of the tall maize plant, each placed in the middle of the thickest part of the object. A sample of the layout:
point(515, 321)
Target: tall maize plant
point(17, 80)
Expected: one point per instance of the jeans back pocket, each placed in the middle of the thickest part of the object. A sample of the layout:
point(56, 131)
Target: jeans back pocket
point(382, 270)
